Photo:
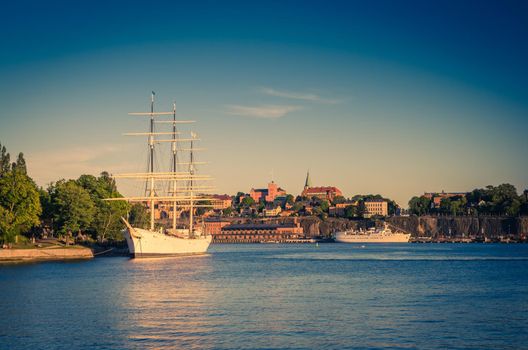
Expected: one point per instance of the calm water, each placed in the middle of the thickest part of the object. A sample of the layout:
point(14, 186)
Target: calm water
point(333, 296)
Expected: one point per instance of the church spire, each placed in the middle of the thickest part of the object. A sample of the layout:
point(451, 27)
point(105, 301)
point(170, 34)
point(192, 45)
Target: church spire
point(307, 183)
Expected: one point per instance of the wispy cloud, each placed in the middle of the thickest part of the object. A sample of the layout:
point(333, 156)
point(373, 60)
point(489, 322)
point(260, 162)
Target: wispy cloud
point(264, 112)
point(297, 95)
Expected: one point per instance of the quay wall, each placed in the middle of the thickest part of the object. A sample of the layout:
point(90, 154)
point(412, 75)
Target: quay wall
point(72, 253)
point(492, 227)
point(462, 226)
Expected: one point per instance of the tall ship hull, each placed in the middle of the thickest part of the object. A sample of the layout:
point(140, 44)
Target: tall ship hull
point(344, 237)
point(179, 187)
point(145, 243)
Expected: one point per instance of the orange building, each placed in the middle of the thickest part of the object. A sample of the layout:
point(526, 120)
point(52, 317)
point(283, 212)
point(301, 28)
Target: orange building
point(376, 207)
point(267, 194)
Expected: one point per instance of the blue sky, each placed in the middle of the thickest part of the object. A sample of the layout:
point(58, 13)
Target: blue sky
point(390, 97)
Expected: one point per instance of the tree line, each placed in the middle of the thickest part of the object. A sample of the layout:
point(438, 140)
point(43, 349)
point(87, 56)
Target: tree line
point(64, 208)
point(491, 200)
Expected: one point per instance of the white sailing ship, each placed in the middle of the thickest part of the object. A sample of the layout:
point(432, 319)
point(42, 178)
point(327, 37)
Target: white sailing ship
point(372, 235)
point(184, 192)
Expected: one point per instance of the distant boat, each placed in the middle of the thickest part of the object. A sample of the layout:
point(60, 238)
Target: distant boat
point(372, 235)
point(182, 193)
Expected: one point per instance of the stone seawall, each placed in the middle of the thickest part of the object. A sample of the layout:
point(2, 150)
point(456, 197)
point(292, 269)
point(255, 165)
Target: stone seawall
point(71, 253)
point(433, 227)
point(462, 226)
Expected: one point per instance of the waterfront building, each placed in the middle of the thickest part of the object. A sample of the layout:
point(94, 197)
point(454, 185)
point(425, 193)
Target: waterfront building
point(323, 192)
point(378, 207)
point(261, 232)
point(267, 194)
point(214, 226)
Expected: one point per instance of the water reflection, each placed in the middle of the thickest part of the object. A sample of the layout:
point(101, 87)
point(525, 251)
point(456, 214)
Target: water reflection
point(167, 301)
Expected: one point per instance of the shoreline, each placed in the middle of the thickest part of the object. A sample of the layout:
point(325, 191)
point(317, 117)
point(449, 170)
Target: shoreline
point(17, 255)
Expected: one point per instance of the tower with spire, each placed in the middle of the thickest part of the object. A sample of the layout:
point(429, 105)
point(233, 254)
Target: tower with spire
point(307, 183)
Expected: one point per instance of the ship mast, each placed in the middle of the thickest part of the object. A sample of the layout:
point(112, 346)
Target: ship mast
point(191, 172)
point(151, 161)
point(174, 164)
point(180, 196)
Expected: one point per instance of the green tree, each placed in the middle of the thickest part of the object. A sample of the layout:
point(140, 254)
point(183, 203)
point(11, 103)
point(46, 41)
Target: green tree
point(297, 206)
point(338, 200)
point(505, 199)
point(454, 205)
point(227, 211)
point(392, 207)
point(19, 203)
point(107, 220)
point(499, 200)
point(419, 205)
point(237, 197)
point(5, 162)
point(247, 201)
point(139, 216)
point(47, 206)
point(350, 211)
point(20, 163)
point(320, 205)
point(74, 209)
point(360, 208)
point(290, 199)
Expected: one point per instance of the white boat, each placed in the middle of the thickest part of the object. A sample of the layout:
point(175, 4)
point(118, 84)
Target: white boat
point(372, 235)
point(184, 193)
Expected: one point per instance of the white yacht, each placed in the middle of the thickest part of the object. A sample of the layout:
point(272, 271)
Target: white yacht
point(372, 235)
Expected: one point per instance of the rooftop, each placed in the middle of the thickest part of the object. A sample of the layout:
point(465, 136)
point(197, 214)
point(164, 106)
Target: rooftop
point(375, 200)
point(322, 189)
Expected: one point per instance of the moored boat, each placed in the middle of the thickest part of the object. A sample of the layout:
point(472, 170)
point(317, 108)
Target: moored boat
point(372, 235)
point(184, 192)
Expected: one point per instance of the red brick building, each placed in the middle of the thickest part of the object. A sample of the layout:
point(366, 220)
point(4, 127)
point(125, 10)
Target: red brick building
point(325, 192)
point(267, 194)
point(262, 232)
point(214, 226)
